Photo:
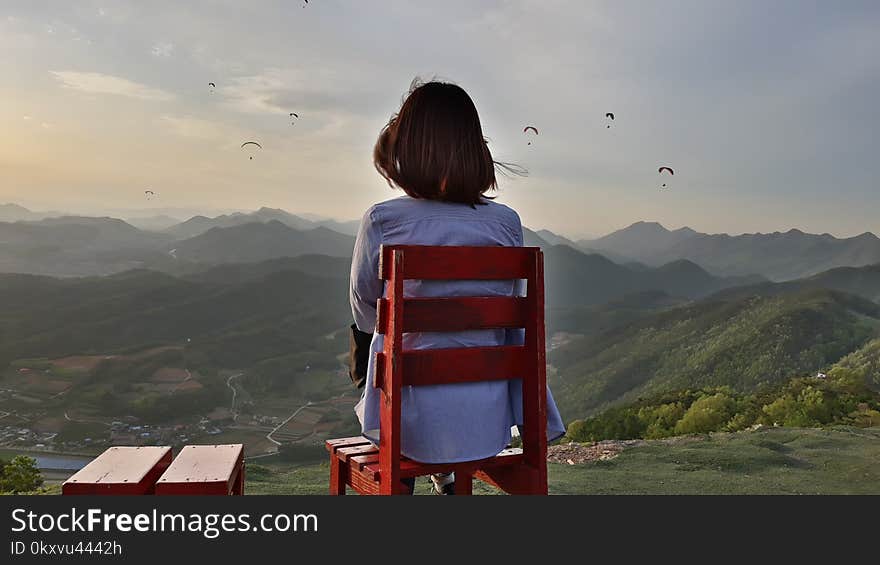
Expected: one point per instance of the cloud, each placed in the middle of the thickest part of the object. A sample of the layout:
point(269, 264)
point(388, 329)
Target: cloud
point(188, 126)
point(260, 93)
point(330, 94)
point(99, 83)
point(163, 49)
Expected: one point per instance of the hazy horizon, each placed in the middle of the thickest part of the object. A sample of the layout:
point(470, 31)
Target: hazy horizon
point(184, 214)
point(766, 112)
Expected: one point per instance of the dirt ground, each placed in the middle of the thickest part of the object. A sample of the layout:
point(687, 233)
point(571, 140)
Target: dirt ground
point(169, 375)
point(80, 362)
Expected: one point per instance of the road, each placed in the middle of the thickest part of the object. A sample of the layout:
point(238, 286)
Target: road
point(188, 377)
point(234, 393)
point(298, 410)
point(69, 419)
point(289, 418)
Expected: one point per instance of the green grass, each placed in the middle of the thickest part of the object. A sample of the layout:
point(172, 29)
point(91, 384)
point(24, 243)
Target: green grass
point(35, 363)
point(773, 461)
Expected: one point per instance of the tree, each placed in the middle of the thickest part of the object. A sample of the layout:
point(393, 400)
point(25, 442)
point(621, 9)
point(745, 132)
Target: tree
point(661, 419)
point(707, 414)
point(20, 475)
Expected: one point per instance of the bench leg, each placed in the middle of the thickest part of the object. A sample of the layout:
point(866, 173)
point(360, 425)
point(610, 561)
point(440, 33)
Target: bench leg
point(338, 476)
point(238, 485)
point(464, 483)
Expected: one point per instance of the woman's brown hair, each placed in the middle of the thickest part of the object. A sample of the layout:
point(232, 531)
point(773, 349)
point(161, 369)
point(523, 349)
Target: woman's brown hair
point(434, 148)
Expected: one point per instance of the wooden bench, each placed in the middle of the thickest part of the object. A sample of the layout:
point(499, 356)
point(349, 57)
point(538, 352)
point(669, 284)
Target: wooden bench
point(121, 470)
point(357, 463)
point(205, 469)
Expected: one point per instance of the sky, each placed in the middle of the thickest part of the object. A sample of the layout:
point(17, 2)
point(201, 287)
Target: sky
point(766, 111)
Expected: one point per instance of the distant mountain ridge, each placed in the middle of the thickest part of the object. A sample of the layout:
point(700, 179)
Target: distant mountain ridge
point(575, 278)
point(75, 246)
point(200, 224)
point(778, 256)
point(11, 212)
point(860, 281)
point(258, 241)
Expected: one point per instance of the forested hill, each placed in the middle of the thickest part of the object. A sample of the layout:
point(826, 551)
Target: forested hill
point(745, 343)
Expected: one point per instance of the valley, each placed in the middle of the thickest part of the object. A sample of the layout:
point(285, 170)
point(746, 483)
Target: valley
point(239, 335)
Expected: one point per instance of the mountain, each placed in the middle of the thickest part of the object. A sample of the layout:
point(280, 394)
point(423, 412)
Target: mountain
point(14, 213)
point(866, 362)
point(532, 239)
point(349, 227)
point(159, 222)
point(231, 325)
point(860, 281)
point(554, 239)
point(640, 240)
point(574, 278)
point(260, 241)
point(590, 320)
point(200, 224)
point(237, 273)
point(743, 343)
point(778, 256)
point(72, 245)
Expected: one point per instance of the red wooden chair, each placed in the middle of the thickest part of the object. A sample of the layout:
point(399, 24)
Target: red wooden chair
point(356, 462)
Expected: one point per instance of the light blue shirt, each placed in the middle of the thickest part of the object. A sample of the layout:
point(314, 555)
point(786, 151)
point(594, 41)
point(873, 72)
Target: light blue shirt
point(441, 423)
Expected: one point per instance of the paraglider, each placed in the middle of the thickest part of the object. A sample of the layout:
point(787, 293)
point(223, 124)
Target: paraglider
point(660, 171)
point(533, 128)
point(611, 116)
point(149, 194)
point(293, 115)
point(254, 143)
point(213, 87)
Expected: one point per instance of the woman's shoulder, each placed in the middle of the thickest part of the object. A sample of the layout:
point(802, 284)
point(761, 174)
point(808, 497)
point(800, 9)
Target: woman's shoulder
point(502, 211)
point(406, 207)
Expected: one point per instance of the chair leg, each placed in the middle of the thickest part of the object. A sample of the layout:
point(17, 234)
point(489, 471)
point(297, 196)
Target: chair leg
point(338, 476)
point(464, 483)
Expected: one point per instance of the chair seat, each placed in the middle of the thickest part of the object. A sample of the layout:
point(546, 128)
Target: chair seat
point(121, 470)
point(205, 469)
point(361, 458)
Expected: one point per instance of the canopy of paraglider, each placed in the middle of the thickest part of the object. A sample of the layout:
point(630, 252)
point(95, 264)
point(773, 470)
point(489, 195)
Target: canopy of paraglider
point(667, 169)
point(251, 145)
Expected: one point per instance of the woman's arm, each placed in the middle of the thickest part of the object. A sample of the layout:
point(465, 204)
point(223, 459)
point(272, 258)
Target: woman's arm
point(366, 286)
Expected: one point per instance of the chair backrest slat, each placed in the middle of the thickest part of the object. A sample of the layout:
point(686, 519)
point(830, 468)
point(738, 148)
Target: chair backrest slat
point(463, 365)
point(457, 314)
point(460, 263)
